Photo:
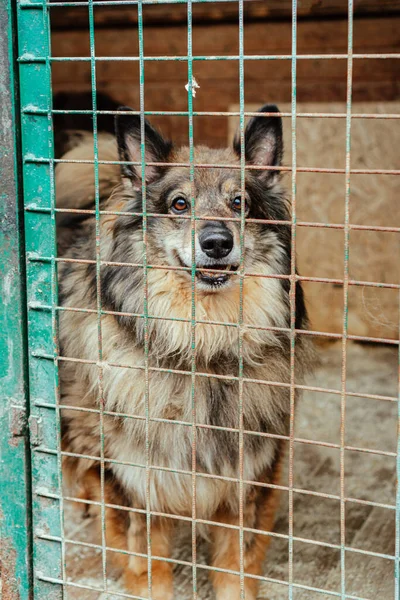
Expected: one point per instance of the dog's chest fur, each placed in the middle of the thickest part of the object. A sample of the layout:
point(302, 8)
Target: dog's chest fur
point(170, 397)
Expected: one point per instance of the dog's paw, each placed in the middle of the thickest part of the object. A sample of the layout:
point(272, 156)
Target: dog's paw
point(233, 592)
point(161, 583)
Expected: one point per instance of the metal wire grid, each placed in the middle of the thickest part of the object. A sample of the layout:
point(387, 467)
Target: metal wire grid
point(42, 259)
point(193, 291)
point(345, 301)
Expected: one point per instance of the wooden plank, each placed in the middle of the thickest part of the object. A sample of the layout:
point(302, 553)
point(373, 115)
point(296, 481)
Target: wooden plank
point(214, 130)
point(218, 12)
point(373, 202)
point(222, 71)
point(317, 80)
point(265, 38)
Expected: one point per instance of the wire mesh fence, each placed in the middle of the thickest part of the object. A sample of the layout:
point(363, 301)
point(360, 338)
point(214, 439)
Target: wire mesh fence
point(51, 407)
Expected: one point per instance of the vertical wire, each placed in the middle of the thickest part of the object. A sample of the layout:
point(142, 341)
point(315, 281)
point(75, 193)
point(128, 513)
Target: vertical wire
point(193, 292)
point(292, 291)
point(345, 302)
point(241, 281)
point(397, 546)
point(145, 296)
point(98, 289)
point(56, 349)
point(54, 297)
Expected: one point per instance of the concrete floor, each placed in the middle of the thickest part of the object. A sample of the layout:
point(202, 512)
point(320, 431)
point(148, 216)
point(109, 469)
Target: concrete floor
point(370, 477)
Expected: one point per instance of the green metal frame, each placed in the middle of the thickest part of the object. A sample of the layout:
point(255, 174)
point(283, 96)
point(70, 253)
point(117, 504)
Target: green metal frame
point(15, 523)
point(38, 180)
point(31, 505)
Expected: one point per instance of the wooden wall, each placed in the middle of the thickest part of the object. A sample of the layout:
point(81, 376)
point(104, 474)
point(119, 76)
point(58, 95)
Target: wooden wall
point(318, 80)
point(373, 256)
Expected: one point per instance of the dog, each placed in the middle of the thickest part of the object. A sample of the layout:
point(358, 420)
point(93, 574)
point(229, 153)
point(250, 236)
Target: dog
point(172, 322)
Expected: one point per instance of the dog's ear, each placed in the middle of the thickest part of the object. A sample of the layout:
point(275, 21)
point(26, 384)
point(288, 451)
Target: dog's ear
point(157, 149)
point(263, 142)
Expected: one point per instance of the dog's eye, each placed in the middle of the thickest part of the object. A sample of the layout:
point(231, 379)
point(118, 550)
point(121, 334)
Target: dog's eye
point(237, 204)
point(180, 205)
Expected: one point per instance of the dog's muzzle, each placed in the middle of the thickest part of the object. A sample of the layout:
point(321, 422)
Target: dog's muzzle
point(216, 242)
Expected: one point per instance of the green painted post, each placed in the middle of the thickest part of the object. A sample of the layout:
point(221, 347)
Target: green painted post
point(15, 546)
point(38, 180)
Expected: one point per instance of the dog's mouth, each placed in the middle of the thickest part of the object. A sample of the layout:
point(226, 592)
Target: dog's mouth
point(214, 275)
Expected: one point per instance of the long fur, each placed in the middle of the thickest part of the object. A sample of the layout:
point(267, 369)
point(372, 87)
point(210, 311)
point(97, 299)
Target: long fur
point(168, 332)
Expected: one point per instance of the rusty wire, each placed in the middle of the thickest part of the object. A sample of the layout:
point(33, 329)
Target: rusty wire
point(193, 373)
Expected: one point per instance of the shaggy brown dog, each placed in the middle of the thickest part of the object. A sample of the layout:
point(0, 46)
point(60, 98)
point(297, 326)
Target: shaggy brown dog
point(139, 356)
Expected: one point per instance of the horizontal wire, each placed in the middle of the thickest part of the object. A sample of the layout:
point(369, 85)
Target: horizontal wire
point(71, 4)
point(216, 524)
point(30, 109)
point(33, 257)
point(216, 428)
point(310, 332)
point(89, 212)
point(177, 471)
point(46, 307)
point(47, 494)
point(309, 388)
point(81, 586)
point(259, 578)
point(28, 159)
point(371, 503)
point(208, 522)
point(123, 3)
point(29, 58)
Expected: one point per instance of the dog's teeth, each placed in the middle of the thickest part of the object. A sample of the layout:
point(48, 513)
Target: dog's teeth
point(228, 267)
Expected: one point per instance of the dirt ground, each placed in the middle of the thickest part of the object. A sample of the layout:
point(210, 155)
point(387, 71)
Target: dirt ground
point(372, 424)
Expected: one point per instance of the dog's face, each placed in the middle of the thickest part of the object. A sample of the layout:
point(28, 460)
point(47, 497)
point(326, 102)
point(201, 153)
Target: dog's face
point(201, 218)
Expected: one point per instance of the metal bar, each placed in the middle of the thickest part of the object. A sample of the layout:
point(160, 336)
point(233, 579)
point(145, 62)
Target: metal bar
point(345, 303)
point(315, 224)
point(26, 58)
point(190, 92)
point(15, 491)
point(180, 113)
point(55, 330)
point(241, 284)
point(46, 259)
point(173, 561)
point(316, 333)
point(208, 568)
point(206, 522)
point(46, 494)
point(230, 429)
point(100, 391)
point(397, 533)
point(134, 2)
point(292, 293)
point(145, 295)
point(35, 89)
point(30, 158)
point(328, 496)
point(50, 357)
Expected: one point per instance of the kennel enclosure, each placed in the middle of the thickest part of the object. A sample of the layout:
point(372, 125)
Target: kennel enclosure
point(143, 54)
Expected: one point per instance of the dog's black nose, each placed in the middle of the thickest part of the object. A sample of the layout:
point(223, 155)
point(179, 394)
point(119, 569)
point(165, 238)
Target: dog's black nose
point(216, 241)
